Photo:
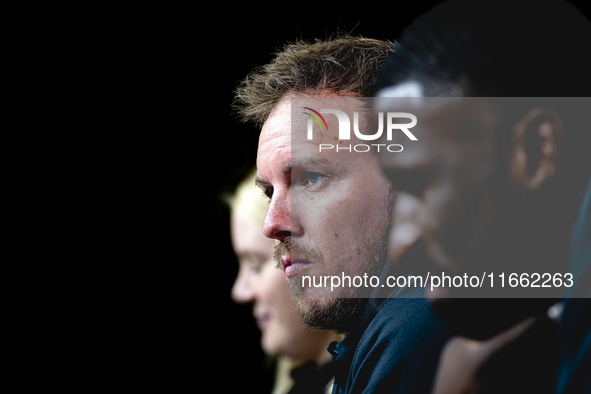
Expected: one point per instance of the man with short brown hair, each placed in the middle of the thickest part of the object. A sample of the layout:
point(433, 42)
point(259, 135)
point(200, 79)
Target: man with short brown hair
point(331, 212)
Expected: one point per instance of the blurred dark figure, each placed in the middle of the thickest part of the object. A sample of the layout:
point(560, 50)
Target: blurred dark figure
point(499, 192)
point(574, 374)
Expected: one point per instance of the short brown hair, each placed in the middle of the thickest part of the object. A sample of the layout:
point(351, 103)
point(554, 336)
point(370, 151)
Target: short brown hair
point(343, 65)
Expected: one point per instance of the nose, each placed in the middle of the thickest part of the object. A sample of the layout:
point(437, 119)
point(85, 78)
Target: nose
point(281, 221)
point(242, 290)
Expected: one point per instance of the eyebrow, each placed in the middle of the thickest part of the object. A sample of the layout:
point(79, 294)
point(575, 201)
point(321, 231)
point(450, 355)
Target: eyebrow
point(251, 254)
point(308, 161)
point(288, 169)
point(259, 180)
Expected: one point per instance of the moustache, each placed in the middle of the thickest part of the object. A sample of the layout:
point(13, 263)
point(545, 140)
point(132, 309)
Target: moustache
point(288, 247)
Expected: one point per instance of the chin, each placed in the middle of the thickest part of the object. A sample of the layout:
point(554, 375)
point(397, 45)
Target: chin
point(270, 347)
point(335, 314)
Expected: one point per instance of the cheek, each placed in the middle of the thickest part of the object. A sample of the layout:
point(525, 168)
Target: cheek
point(356, 201)
point(452, 220)
point(407, 228)
point(364, 206)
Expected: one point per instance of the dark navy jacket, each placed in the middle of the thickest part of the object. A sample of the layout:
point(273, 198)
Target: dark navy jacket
point(395, 349)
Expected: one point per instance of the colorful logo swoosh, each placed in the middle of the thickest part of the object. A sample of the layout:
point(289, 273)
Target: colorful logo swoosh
point(315, 118)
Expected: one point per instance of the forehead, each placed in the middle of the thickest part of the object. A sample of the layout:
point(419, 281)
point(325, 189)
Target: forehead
point(248, 238)
point(284, 135)
point(276, 131)
point(288, 117)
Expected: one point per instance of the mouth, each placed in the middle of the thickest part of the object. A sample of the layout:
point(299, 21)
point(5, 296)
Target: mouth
point(292, 267)
point(262, 321)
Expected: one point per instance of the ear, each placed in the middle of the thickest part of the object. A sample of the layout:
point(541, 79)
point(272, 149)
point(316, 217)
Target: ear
point(536, 144)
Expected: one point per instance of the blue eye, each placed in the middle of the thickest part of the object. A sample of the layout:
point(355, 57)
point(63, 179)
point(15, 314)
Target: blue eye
point(311, 178)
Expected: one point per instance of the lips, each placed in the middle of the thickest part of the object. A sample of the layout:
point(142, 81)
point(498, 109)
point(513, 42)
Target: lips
point(286, 262)
point(292, 267)
point(262, 320)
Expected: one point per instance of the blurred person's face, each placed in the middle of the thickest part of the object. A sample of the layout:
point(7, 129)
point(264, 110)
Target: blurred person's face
point(253, 251)
point(329, 210)
point(444, 184)
point(460, 206)
point(463, 184)
point(259, 283)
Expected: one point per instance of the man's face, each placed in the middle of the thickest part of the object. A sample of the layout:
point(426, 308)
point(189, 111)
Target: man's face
point(328, 209)
point(445, 185)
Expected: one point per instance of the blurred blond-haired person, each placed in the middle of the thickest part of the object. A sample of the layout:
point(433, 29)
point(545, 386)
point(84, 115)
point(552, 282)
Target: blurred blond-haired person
point(303, 363)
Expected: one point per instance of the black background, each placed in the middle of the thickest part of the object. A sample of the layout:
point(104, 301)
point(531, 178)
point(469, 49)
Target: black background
point(148, 144)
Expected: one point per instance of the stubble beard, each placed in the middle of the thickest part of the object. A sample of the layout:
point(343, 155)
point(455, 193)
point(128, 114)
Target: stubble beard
point(341, 310)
